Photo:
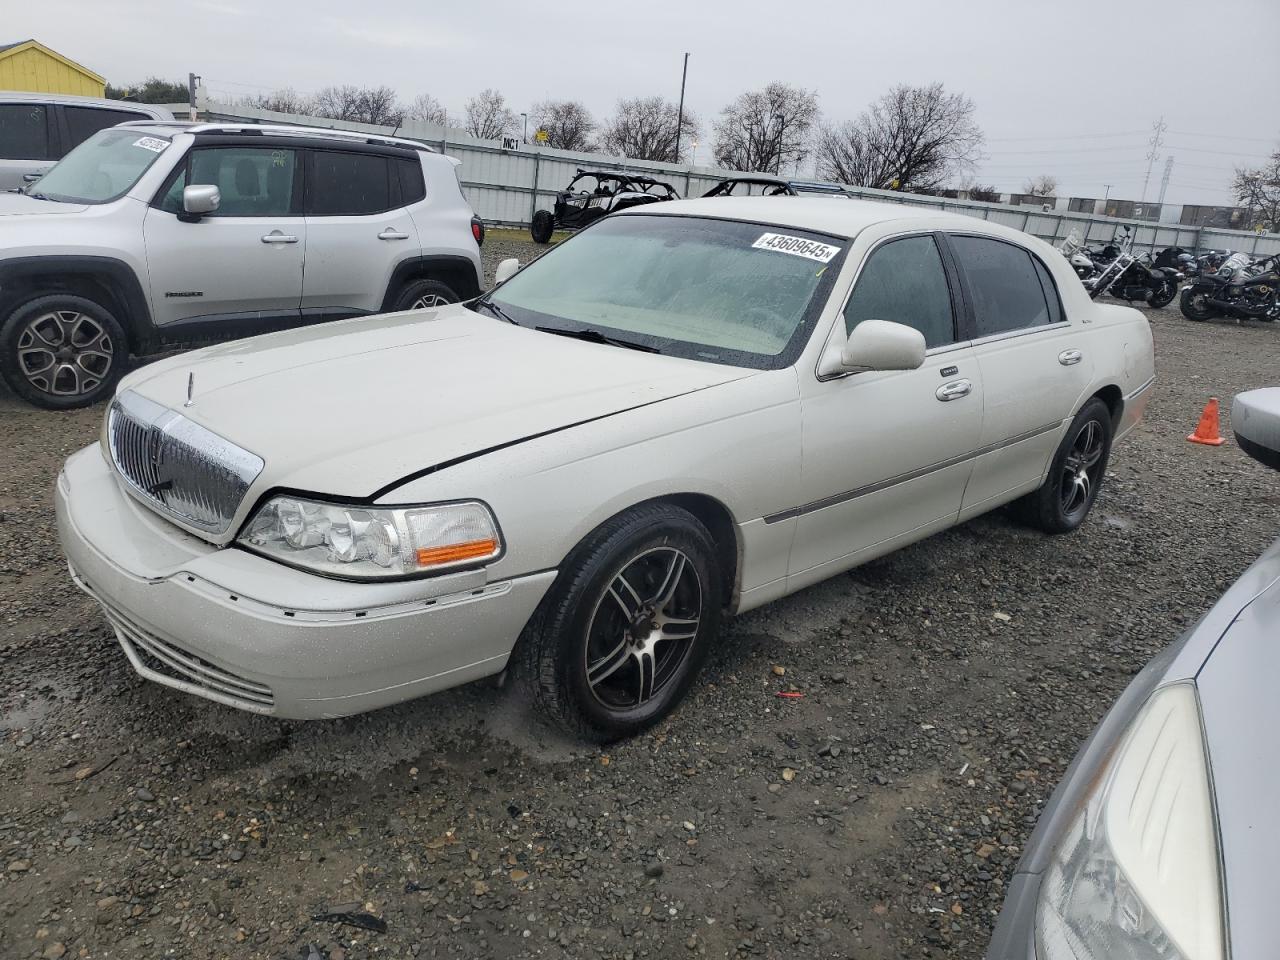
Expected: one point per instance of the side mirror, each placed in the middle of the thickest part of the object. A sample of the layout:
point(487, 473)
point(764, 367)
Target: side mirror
point(883, 345)
point(200, 198)
point(31, 177)
point(1255, 420)
point(506, 270)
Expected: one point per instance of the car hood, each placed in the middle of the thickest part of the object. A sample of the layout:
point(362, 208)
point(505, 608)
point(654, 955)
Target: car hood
point(350, 408)
point(15, 204)
point(1238, 695)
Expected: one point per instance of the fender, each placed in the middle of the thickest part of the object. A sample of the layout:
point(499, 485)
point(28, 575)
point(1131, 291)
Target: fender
point(459, 270)
point(116, 275)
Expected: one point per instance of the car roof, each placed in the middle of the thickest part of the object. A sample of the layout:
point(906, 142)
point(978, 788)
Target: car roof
point(351, 137)
point(70, 100)
point(837, 216)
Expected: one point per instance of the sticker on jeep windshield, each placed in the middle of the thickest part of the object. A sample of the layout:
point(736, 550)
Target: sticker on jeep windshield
point(796, 246)
point(153, 144)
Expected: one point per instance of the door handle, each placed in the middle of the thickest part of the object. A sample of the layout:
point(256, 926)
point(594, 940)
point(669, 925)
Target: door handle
point(954, 390)
point(1068, 357)
point(392, 234)
point(275, 236)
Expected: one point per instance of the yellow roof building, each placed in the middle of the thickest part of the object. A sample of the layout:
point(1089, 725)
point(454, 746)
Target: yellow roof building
point(30, 65)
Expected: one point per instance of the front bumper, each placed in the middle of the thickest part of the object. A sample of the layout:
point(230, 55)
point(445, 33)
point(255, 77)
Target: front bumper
point(234, 627)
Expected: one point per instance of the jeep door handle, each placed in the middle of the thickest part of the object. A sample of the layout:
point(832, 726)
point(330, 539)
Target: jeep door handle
point(392, 234)
point(275, 236)
point(1069, 357)
point(954, 390)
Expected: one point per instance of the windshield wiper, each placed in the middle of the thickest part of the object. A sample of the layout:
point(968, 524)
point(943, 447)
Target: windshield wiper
point(496, 310)
point(40, 196)
point(595, 336)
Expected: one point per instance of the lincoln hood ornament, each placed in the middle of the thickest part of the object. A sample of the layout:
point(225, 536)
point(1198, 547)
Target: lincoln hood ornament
point(191, 389)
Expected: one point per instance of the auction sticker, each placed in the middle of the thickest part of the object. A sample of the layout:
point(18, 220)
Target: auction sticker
point(796, 246)
point(153, 144)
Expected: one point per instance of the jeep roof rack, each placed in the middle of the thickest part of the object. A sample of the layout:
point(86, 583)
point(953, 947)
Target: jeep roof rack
point(282, 130)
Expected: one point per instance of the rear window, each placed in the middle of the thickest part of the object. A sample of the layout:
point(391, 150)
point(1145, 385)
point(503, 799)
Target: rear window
point(84, 122)
point(412, 187)
point(24, 131)
point(1008, 293)
point(349, 184)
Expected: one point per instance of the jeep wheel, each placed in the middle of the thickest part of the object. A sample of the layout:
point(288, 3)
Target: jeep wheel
point(423, 295)
point(544, 224)
point(61, 351)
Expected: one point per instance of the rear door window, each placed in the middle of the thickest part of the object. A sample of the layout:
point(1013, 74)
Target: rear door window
point(1008, 293)
point(84, 122)
point(24, 131)
point(349, 184)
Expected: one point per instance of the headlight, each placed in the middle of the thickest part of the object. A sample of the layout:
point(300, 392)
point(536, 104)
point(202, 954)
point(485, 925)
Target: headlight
point(1136, 875)
point(368, 543)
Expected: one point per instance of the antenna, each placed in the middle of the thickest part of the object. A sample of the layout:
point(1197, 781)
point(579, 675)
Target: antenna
point(1157, 141)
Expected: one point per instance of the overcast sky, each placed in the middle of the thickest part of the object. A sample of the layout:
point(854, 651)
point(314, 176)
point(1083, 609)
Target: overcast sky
point(1069, 89)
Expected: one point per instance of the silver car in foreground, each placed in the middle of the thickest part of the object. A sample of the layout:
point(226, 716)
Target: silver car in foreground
point(1161, 842)
point(687, 409)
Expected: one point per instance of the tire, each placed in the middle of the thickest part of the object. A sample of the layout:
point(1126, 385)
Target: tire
point(61, 352)
point(1164, 296)
point(544, 224)
point(1063, 501)
point(582, 658)
point(1190, 310)
point(423, 295)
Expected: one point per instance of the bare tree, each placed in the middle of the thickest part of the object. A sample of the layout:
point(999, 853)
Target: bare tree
point(284, 100)
point(911, 138)
point(377, 105)
point(1259, 190)
point(1041, 186)
point(644, 128)
point(428, 109)
point(766, 130)
point(488, 116)
point(567, 123)
point(985, 194)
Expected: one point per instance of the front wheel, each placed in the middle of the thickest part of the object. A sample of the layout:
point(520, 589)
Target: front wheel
point(1193, 306)
point(544, 224)
point(621, 636)
point(61, 351)
point(1075, 474)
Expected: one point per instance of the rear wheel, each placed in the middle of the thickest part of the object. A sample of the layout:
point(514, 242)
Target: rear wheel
point(621, 636)
point(1064, 499)
point(424, 294)
point(1163, 296)
point(1193, 306)
point(544, 224)
point(61, 351)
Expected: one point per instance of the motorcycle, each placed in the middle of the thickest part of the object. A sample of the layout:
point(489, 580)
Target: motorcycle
point(1078, 256)
point(1240, 289)
point(1131, 277)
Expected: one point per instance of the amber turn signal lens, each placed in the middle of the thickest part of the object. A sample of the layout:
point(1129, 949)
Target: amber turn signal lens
point(471, 550)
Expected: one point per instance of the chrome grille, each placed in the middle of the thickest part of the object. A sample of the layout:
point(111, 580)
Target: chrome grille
point(185, 670)
point(176, 465)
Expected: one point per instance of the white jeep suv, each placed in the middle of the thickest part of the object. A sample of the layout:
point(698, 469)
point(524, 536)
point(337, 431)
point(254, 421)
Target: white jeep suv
point(153, 234)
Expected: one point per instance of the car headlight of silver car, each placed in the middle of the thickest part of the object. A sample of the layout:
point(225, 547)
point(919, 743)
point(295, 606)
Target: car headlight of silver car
point(369, 543)
point(1137, 873)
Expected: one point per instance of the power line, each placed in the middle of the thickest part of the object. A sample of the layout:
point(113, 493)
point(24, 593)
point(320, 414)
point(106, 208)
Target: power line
point(1225, 136)
point(1067, 136)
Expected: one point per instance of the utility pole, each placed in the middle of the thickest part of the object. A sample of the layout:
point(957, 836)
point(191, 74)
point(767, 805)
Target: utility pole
point(192, 80)
point(1105, 197)
point(1164, 181)
point(1157, 141)
point(525, 138)
point(684, 75)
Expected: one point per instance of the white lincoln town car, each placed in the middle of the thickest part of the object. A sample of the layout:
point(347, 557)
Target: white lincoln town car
point(684, 411)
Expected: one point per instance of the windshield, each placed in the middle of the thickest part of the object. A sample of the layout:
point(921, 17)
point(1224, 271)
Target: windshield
point(724, 291)
point(104, 167)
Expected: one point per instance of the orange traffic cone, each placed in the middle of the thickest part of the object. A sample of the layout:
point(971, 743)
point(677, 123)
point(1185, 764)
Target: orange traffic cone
point(1207, 428)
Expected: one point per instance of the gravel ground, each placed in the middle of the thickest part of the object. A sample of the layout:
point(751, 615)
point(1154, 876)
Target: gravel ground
point(945, 688)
